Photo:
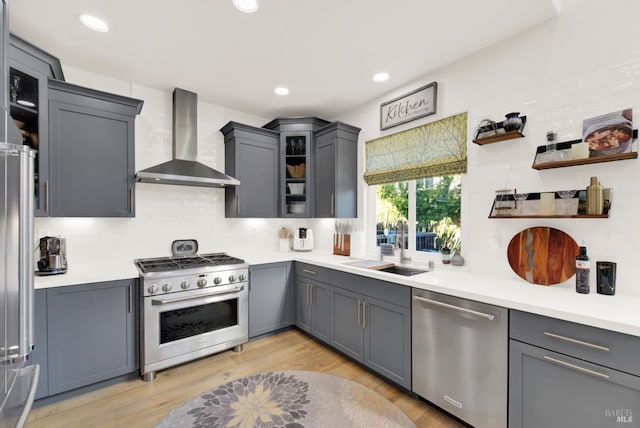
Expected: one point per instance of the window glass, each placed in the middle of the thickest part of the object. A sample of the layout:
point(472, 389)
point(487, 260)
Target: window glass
point(436, 213)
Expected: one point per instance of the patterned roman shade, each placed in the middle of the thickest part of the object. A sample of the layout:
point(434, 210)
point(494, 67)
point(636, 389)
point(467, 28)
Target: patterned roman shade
point(431, 150)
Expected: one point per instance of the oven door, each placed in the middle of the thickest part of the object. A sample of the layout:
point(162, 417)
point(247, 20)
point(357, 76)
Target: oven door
point(182, 326)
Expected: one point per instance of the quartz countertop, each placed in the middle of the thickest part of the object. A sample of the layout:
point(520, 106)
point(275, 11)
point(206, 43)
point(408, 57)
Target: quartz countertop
point(617, 313)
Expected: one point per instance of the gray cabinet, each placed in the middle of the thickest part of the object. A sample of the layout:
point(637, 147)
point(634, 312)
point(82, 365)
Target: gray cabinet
point(313, 301)
point(91, 152)
point(336, 165)
point(297, 173)
point(29, 70)
point(563, 374)
point(92, 334)
point(371, 323)
point(252, 156)
point(270, 298)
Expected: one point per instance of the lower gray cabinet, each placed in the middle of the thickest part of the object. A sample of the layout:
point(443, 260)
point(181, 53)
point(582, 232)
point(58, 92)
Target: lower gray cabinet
point(570, 375)
point(372, 331)
point(313, 307)
point(92, 334)
point(270, 298)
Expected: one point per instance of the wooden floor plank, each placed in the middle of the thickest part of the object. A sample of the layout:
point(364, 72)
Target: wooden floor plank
point(135, 403)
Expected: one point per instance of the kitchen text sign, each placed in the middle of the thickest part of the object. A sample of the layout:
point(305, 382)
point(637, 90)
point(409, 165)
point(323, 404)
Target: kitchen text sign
point(408, 107)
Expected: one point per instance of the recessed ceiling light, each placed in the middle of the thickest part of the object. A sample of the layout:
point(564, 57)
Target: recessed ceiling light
point(246, 6)
point(281, 91)
point(380, 77)
point(96, 24)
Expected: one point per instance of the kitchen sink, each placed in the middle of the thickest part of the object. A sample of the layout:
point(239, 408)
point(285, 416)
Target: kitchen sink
point(401, 270)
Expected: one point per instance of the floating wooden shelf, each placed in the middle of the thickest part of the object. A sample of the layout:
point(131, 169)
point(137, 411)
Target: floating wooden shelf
point(550, 216)
point(586, 161)
point(500, 135)
point(592, 159)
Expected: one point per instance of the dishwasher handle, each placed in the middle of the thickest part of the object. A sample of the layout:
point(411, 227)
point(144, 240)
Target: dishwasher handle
point(490, 317)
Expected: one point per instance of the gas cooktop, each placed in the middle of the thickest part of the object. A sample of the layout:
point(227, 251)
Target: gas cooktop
point(179, 263)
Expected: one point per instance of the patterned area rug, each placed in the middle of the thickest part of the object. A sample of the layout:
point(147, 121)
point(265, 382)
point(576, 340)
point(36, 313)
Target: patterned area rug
point(289, 399)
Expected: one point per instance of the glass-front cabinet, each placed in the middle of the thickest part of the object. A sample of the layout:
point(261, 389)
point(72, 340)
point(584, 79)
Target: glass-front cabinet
point(294, 149)
point(29, 69)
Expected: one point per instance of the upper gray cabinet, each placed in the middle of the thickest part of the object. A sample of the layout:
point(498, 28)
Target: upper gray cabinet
point(297, 173)
point(91, 152)
point(292, 167)
point(252, 156)
point(336, 163)
point(84, 139)
point(29, 70)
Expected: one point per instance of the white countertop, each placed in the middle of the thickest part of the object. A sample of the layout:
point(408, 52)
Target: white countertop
point(618, 313)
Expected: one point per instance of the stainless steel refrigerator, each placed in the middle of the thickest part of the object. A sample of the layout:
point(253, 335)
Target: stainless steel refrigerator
point(18, 379)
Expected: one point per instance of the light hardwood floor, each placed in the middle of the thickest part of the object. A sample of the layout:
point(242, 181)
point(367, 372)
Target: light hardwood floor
point(140, 404)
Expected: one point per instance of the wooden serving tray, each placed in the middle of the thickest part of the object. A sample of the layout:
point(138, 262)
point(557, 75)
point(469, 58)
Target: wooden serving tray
point(543, 255)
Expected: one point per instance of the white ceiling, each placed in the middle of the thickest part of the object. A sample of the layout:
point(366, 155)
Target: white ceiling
point(324, 51)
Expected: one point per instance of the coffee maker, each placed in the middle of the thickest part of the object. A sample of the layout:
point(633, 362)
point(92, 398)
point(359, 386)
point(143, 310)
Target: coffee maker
point(303, 239)
point(53, 257)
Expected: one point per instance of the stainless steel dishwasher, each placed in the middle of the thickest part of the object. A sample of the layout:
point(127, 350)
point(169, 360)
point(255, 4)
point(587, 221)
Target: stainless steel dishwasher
point(460, 357)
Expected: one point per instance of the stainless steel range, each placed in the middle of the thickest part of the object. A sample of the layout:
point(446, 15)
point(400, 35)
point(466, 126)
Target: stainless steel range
point(193, 305)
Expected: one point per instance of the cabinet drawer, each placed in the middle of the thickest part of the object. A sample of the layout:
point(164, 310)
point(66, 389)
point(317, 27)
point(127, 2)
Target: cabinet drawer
point(312, 271)
point(604, 347)
point(391, 292)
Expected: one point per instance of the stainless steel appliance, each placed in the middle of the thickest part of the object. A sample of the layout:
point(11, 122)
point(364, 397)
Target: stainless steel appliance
point(18, 383)
point(460, 357)
point(53, 256)
point(192, 306)
point(303, 239)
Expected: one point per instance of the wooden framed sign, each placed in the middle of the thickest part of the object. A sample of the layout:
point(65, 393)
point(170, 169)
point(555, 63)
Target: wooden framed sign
point(408, 107)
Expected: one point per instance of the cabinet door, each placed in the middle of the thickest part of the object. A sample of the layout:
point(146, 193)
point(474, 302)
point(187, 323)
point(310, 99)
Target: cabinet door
point(270, 298)
point(321, 311)
point(547, 389)
point(347, 332)
point(296, 182)
point(91, 332)
point(387, 340)
point(302, 304)
point(325, 183)
point(91, 159)
point(33, 89)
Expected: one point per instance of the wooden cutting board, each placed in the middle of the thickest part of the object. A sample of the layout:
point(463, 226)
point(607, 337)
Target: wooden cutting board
point(371, 264)
point(543, 255)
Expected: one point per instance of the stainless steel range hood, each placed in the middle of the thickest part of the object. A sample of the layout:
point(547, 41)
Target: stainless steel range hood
point(183, 169)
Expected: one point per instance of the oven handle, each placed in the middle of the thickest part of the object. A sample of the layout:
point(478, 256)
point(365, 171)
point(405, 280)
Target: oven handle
point(182, 299)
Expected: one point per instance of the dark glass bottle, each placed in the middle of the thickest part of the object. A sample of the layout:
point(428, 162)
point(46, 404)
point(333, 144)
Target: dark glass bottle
point(582, 272)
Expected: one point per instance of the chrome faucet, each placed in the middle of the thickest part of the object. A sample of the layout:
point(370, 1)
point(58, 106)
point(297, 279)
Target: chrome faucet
point(403, 258)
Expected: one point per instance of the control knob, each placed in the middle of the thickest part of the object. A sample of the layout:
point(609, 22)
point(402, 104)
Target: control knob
point(242, 277)
point(153, 289)
point(166, 288)
point(232, 278)
point(185, 285)
point(202, 282)
point(217, 280)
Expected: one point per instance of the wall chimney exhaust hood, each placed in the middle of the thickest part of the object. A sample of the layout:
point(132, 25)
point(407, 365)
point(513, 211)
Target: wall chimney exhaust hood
point(183, 169)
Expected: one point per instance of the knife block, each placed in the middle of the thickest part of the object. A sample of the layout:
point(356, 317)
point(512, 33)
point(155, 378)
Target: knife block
point(341, 244)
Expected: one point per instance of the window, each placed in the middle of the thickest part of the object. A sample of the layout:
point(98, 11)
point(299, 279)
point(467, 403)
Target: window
point(432, 204)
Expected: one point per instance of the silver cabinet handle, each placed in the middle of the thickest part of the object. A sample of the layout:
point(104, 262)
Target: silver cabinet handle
point(576, 368)
point(201, 296)
point(311, 294)
point(309, 271)
point(131, 199)
point(308, 293)
point(364, 314)
point(333, 204)
point(46, 195)
point(490, 317)
point(577, 342)
point(237, 204)
point(359, 314)
point(130, 299)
